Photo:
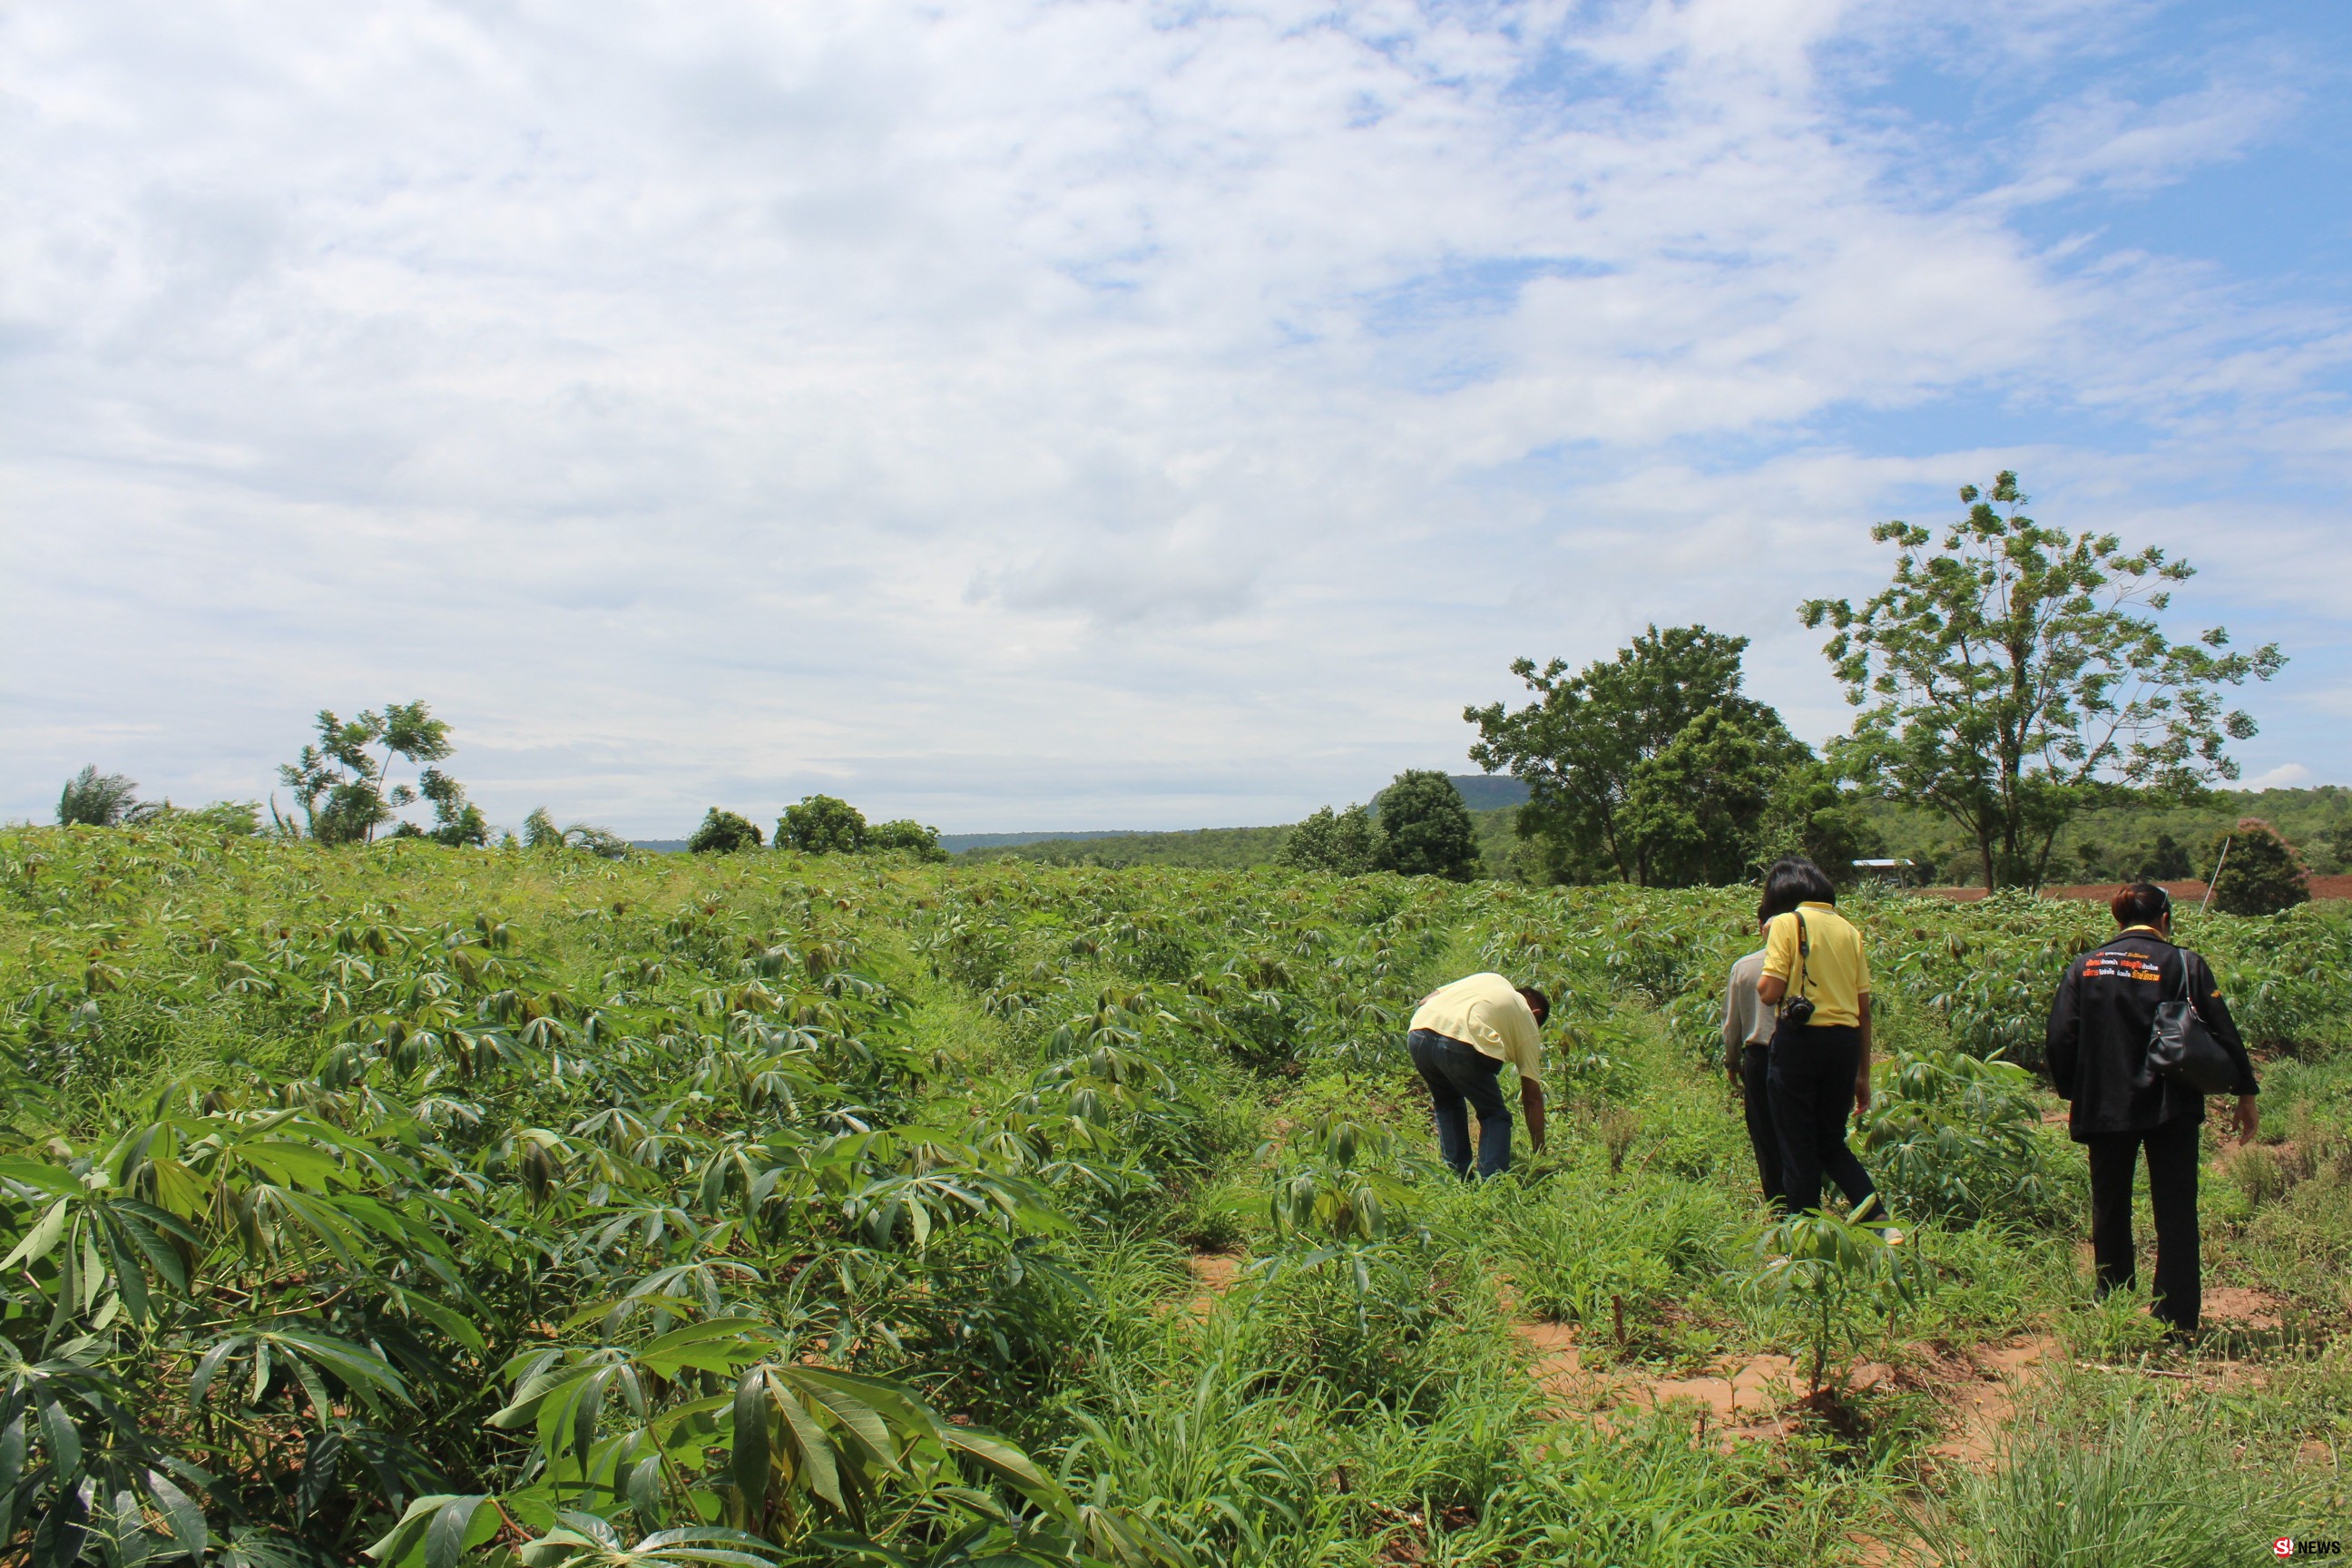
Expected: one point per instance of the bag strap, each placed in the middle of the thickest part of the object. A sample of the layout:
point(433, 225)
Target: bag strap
point(1804, 953)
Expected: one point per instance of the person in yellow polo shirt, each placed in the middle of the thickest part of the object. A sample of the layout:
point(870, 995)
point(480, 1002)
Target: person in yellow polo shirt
point(1461, 1035)
point(1817, 974)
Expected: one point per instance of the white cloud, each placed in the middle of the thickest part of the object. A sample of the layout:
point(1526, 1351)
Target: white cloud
point(1016, 413)
point(2287, 776)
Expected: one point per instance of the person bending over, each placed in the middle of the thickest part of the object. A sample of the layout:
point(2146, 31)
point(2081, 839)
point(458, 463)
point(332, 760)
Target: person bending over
point(1816, 974)
point(1462, 1035)
point(2100, 1027)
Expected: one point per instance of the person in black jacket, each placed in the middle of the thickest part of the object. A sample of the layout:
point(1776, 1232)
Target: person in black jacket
point(2099, 1031)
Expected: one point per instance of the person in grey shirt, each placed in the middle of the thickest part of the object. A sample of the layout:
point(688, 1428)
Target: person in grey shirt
point(1748, 1025)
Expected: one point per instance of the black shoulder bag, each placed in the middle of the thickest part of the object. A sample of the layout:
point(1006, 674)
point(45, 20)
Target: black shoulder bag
point(2181, 1048)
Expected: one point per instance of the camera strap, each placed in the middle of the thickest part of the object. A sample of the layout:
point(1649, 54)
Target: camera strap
point(1804, 968)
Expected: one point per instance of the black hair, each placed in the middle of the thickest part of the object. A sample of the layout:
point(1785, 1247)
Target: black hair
point(1791, 881)
point(2141, 904)
point(1538, 1003)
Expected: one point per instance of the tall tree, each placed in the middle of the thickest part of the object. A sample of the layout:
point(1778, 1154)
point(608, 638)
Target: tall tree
point(1697, 808)
point(1425, 830)
point(1581, 743)
point(2012, 675)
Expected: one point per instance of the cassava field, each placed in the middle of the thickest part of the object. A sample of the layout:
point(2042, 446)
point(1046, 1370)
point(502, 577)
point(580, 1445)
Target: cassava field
point(446, 1206)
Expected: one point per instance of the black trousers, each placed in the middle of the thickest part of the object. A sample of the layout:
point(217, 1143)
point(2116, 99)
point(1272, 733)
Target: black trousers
point(1812, 1091)
point(1755, 1067)
point(2172, 1150)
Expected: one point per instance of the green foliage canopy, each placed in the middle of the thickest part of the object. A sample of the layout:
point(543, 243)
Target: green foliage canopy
point(340, 781)
point(92, 799)
point(821, 825)
point(1347, 843)
point(1611, 790)
point(723, 832)
point(2007, 679)
point(2260, 874)
point(908, 836)
point(1424, 828)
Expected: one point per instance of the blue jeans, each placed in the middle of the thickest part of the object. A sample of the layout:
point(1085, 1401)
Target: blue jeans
point(1459, 1075)
point(1811, 1088)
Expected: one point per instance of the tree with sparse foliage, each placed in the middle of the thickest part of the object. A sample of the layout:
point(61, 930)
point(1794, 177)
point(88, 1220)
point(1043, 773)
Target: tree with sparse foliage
point(724, 833)
point(341, 783)
point(2009, 679)
point(1346, 842)
point(1425, 830)
point(821, 825)
point(93, 799)
point(1587, 740)
point(2261, 874)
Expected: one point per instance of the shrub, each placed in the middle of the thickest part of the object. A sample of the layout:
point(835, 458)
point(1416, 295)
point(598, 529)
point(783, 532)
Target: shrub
point(906, 833)
point(723, 833)
point(1955, 1137)
point(2260, 874)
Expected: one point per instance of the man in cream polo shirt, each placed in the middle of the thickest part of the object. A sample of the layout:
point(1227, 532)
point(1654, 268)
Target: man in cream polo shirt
point(1462, 1035)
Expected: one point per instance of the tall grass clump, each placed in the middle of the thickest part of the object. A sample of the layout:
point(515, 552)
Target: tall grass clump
point(2093, 1475)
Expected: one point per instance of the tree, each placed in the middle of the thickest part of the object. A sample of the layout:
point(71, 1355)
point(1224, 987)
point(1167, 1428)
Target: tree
point(2167, 860)
point(1347, 842)
point(821, 825)
point(2007, 680)
point(1425, 830)
point(1812, 815)
point(723, 833)
point(1579, 746)
point(456, 821)
point(2261, 875)
point(93, 799)
point(340, 782)
point(905, 835)
point(1695, 808)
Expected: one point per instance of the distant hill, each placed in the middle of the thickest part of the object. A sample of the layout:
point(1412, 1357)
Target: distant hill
point(1220, 848)
point(1204, 848)
point(1490, 792)
point(958, 843)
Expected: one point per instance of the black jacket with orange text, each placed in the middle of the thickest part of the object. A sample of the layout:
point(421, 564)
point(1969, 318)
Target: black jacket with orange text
point(2099, 1029)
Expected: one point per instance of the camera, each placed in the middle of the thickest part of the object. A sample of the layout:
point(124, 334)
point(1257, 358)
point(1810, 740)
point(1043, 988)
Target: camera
point(1799, 1011)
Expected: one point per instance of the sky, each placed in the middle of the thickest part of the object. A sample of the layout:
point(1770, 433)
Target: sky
point(1083, 415)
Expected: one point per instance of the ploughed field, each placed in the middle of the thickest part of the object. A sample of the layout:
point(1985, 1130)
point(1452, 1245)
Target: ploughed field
point(451, 1205)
